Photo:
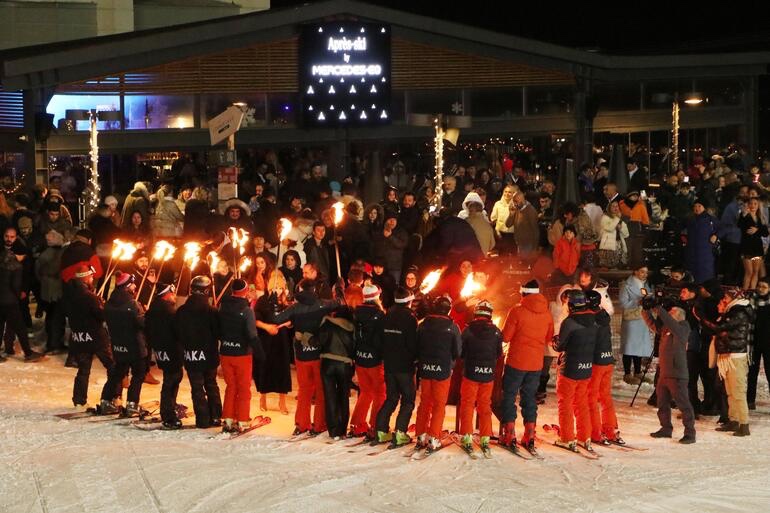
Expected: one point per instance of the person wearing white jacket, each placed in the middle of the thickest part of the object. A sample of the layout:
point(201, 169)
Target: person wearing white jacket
point(500, 212)
point(612, 243)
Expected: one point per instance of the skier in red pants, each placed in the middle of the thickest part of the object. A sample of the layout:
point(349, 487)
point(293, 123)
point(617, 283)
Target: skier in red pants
point(577, 339)
point(238, 340)
point(369, 369)
point(482, 346)
point(438, 345)
point(604, 423)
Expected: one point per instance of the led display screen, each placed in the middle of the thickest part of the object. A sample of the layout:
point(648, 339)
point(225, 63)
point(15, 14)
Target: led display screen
point(344, 70)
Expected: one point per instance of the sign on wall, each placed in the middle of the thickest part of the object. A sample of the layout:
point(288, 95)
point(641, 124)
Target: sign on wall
point(345, 74)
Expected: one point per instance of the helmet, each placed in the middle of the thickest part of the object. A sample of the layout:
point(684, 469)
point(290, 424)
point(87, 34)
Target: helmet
point(200, 285)
point(594, 299)
point(576, 301)
point(442, 305)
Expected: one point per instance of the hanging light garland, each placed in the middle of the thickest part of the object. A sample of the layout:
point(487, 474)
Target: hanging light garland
point(93, 191)
point(438, 146)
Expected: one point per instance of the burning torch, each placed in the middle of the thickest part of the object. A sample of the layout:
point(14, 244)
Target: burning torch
point(168, 254)
point(191, 259)
point(338, 207)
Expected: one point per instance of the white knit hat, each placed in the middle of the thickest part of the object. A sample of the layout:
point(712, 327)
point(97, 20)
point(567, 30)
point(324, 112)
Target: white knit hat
point(371, 292)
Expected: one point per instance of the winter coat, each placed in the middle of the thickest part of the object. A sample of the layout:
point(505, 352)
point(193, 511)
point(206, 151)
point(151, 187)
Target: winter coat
point(526, 229)
point(603, 348)
point(484, 232)
point(104, 231)
point(85, 312)
point(672, 348)
point(635, 338)
point(499, 216)
point(318, 254)
point(61, 225)
point(238, 329)
point(439, 343)
point(451, 241)
point(409, 219)
point(751, 245)
point(138, 200)
point(528, 328)
point(566, 256)
point(636, 212)
point(306, 316)
point(577, 341)
point(613, 238)
point(75, 253)
point(197, 326)
point(399, 340)
point(167, 222)
point(699, 251)
point(10, 278)
point(160, 330)
point(734, 330)
point(453, 201)
point(368, 335)
point(125, 321)
point(390, 249)
point(761, 306)
point(482, 346)
point(197, 220)
point(728, 224)
point(336, 338)
point(48, 272)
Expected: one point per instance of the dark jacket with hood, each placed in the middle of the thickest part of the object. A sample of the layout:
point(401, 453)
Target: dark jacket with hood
point(125, 320)
point(734, 329)
point(577, 340)
point(439, 343)
point(197, 326)
point(138, 200)
point(85, 312)
point(368, 321)
point(603, 350)
point(672, 351)
point(238, 329)
point(335, 337)
point(160, 329)
point(399, 340)
point(482, 346)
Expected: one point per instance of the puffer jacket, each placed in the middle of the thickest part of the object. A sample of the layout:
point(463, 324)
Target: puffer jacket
point(734, 329)
point(197, 326)
point(482, 346)
point(577, 341)
point(399, 339)
point(238, 329)
point(528, 328)
point(125, 321)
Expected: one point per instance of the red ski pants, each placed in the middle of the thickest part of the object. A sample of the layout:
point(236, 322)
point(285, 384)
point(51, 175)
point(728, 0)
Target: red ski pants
point(310, 386)
point(573, 404)
point(430, 413)
point(237, 373)
point(473, 393)
point(371, 395)
point(600, 394)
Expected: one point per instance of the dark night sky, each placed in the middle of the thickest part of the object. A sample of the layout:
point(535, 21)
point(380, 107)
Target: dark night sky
point(633, 27)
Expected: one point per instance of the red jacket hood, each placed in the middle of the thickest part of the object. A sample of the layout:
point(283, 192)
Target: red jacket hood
point(536, 303)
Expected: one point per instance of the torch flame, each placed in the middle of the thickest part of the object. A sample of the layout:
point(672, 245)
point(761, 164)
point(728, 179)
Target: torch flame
point(213, 260)
point(117, 248)
point(233, 231)
point(243, 240)
point(430, 281)
point(338, 207)
point(192, 252)
point(285, 229)
point(496, 320)
point(128, 251)
point(470, 287)
point(245, 264)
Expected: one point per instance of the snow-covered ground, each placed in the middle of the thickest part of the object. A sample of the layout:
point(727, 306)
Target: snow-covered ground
point(54, 465)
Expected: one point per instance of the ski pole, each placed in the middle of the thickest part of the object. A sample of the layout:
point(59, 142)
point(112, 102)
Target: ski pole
point(646, 368)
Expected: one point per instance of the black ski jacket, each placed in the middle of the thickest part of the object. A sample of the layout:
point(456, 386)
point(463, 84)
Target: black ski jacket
point(306, 315)
point(238, 329)
point(577, 340)
point(85, 312)
point(439, 343)
point(125, 321)
point(482, 346)
point(603, 349)
point(160, 328)
point(368, 320)
point(399, 340)
point(197, 326)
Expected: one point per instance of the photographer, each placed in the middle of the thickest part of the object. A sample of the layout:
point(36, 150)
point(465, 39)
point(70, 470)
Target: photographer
point(672, 361)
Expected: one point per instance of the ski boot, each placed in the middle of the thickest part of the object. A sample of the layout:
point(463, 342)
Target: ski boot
point(216, 422)
point(422, 441)
point(228, 426)
point(241, 426)
point(297, 431)
point(486, 450)
point(132, 409)
point(467, 442)
point(434, 444)
point(107, 408)
point(570, 446)
point(587, 445)
point(401, 438)
point(618, 440)
point(382, 437)
point(508, 434)
point(172, 424)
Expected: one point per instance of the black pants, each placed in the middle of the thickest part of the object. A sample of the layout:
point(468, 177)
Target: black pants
point(336, 380)
point(545, 374)
point(760, 353)
point(84, 361)
point(168, 393)
point(506, 245)
point(54, 326)
point(676, 389)
point(399, 386)
point(138, 369)
point(693, 370)
point(628, 360)
point(207, 403)
point(729, 260)
point(11, 318)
